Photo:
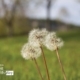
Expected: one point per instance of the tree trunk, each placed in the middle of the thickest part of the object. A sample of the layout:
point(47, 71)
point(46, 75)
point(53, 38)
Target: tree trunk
point(9, 25)
point(48, 14)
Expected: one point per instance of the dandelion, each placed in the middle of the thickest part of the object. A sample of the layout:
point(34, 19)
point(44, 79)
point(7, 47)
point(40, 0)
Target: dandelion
point(36, 36)
point(54, 43)
point(30, 52)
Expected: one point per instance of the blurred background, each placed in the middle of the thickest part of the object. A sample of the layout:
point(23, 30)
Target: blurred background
point(18, 17)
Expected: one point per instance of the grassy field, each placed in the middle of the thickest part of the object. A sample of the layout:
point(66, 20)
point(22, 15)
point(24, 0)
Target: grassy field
point(10, 57)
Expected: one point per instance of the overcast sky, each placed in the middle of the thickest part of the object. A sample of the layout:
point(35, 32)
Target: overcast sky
point(72, 7)
point(40, 12)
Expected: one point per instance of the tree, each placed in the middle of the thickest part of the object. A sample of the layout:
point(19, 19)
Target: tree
point(48, 14)
point(10, 15)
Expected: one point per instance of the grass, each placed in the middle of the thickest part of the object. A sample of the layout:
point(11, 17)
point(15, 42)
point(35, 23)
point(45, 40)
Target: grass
point(11, 58)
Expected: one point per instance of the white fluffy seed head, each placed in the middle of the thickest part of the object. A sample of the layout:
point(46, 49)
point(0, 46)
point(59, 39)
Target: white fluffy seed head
point(52, 42)
point(29, 52)
point(36, 36)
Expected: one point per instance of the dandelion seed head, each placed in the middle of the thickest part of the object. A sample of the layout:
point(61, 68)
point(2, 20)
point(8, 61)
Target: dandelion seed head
point(29, 52)
point(36, 36)
point(52, 42)
point(59, 42)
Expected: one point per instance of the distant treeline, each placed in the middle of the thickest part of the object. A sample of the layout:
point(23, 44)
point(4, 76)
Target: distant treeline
point(18, 26)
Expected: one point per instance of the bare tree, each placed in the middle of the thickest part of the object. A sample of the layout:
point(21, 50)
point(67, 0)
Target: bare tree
point(48, 7)
point(48, 14)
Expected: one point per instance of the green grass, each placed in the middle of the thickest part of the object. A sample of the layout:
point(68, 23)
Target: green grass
point(10, 57)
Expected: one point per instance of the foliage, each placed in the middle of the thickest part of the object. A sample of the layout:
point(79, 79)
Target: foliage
point(19, 26)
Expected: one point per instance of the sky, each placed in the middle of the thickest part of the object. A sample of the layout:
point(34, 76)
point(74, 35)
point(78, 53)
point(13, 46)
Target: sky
point(72, 7)
point(39, 11)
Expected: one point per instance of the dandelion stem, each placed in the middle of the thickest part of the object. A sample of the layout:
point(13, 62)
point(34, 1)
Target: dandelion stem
point(38, 68)
point(61, 64)
point(45, 63)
